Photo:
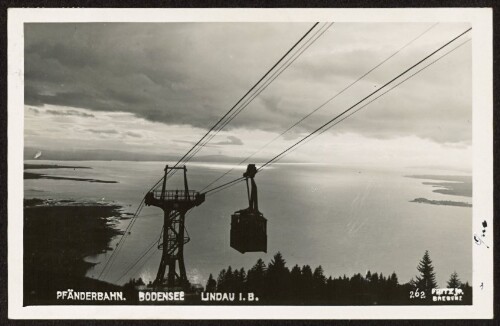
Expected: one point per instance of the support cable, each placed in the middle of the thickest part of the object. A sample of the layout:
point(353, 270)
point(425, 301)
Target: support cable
point(271, 79)
point(152, 245)
point(112, 258)
point(244, 96)
point(156, 242)
point(119, 245)
point(324, 103)
point(322, 127)
point(390, 89)
point(366, 97)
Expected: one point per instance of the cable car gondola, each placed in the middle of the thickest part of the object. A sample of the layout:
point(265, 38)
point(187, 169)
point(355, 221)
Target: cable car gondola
point(249, 226)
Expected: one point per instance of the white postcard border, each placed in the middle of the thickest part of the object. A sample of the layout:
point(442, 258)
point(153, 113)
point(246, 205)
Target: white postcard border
point(481, 20)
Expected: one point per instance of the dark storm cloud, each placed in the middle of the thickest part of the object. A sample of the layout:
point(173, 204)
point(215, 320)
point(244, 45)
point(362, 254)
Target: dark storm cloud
point(78, 66)
point(133, 134)
point(193, 73)
point(103, 131)
point(71, 113)
point(161, 73)
point(231, 140)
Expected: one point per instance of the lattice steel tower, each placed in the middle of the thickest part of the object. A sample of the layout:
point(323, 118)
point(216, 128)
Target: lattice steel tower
point(175, 204)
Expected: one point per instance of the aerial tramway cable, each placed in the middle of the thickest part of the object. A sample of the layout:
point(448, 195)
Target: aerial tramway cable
point(244, 96)
point(258, 91)
point(377, 97)
point(329, 124)
point(144, 253)
point(326, 125)
point(277, 72)
point(152, 245)
point(119, 245)
point(365, 98)
point(249, 97)
point(323, 104)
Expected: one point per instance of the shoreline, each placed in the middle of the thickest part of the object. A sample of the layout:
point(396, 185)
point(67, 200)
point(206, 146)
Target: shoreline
point(58, 236)
point(440, 202)
point(32, 175)
point(35, 175)
point(29, 166)
point(453, 185)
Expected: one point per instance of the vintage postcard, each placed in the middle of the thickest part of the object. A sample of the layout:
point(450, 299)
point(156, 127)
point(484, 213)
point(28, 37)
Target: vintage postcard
point(242, 164)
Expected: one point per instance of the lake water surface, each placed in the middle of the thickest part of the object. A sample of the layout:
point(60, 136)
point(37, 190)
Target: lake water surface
point(347, 220)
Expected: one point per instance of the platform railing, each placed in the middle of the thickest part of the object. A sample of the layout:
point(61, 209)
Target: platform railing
point(180, 195)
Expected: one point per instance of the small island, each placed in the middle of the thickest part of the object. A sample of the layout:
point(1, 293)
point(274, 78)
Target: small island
point(33, 175)
point(452, 185)
point(28, 166)
point(441, 202)
point(455, 185)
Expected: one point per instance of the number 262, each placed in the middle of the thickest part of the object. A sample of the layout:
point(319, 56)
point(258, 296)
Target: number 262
point(417, 294)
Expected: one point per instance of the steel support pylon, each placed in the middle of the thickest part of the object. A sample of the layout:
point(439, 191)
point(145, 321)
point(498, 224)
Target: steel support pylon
point(175, 204)
point(173, 251)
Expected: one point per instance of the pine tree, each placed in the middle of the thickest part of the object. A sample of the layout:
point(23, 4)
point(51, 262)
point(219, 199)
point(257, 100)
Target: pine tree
point(242, 280)
point(295, 275)
point(306, 272)
point(319, 275)
point(393, 280)
point(229, 280)
point(307, 281)
point(454, 281)
point(211, 284)
point(356, 282)
point(319, 278)
point(296, 282)
point(221, 280)
point(330, 288)
point(255, 278)
point(319, 282)
point(259, 267)
point(467, 293)
point(277, 277)
point(243, 274)
point(277, 264)
point(427, 279)
point(234, 287)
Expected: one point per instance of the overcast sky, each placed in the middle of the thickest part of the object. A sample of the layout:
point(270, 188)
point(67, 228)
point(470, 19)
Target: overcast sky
point(157, 88)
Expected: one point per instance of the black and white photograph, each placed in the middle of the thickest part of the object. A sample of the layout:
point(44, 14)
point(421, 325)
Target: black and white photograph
point(303, 161)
